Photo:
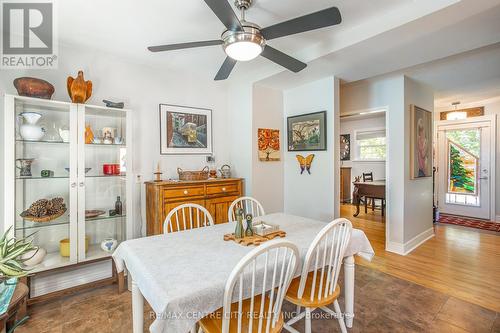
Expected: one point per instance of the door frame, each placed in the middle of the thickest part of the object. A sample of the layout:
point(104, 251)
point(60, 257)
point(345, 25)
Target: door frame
point(491, 119)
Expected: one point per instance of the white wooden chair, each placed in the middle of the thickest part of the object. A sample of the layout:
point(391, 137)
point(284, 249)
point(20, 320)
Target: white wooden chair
point(187, 216)
point(317, 286)
point(248, 204)
point(258, 285)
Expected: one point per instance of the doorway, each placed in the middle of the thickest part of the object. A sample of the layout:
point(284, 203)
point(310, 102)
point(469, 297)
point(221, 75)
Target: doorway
point(465, 167)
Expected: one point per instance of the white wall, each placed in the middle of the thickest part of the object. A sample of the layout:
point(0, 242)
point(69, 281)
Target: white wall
point(267, 177)
point(386, 92)
point(491, 107)
point(409, 202)
point(418, 192)
point(315, 195)
point(350, 126)
point(141, 88)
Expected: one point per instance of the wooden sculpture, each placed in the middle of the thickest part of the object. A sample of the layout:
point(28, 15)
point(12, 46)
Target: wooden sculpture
point(79, 90)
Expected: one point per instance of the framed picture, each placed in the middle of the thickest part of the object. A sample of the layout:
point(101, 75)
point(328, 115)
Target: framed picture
point(307, 132)
point(269, 144)
point(345, 147)
point(185, 130)
point(421, 143)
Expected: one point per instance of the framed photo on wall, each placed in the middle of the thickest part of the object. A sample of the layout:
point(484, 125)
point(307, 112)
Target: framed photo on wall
point(345, 147)
point(421, 142)
point(185, 130)
point(307, 132)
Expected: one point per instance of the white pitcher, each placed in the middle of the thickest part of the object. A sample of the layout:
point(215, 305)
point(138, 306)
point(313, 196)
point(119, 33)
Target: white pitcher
point(29, 129)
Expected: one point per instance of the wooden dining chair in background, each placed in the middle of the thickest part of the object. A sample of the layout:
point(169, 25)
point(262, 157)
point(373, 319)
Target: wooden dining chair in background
point(248, 204)
point(259, 283)
point(368, 177)
point(187, 216)
point(317, 286)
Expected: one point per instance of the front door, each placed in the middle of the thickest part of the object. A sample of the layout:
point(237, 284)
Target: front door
point(464, 167)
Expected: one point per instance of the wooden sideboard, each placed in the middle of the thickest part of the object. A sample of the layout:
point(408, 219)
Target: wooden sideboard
point(215, 195)
point(345, 184)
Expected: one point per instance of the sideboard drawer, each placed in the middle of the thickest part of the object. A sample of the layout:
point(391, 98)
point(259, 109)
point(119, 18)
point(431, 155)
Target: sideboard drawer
point(184, 192)
point(222, 189)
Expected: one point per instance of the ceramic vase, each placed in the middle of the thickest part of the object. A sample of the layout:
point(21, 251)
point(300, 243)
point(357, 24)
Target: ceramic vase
point(29, 129)
point(239, 232)
point(109, 244)
point(34, 257)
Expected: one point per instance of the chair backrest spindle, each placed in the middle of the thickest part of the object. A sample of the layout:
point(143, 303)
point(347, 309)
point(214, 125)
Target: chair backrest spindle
point(248, 204)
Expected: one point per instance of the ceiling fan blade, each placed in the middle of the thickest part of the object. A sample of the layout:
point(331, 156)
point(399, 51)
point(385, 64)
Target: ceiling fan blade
point(283, 59)
point(161, 48)
point(225, 69)
point(225, 13)
point(321, 19)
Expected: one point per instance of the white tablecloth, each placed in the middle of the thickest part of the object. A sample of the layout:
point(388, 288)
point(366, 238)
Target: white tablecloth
point(183, 274)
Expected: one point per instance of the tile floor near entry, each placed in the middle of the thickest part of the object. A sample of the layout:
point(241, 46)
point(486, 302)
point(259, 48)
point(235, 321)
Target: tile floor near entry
point(383, 304)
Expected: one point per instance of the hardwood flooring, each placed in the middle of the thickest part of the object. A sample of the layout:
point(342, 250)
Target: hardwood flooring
point(458, 261)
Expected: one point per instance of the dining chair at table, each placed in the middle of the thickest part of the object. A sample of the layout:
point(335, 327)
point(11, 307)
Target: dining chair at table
point(187, 216)
point(317, 286)
point(258, 283)
point(248, 204)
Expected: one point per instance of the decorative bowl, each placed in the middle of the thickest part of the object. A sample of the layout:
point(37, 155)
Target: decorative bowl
point(34, 257)
point(90, 213)
point(33, 87)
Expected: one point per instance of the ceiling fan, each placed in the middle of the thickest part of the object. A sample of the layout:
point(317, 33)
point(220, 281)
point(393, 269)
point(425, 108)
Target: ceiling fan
point(243, 40)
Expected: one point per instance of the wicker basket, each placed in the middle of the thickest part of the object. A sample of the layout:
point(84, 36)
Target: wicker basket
point(193, 175)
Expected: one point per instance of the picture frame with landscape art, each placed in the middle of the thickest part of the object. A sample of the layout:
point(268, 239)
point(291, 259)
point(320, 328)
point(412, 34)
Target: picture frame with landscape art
point(420, 143)
point(307, 132)
point(185, 130)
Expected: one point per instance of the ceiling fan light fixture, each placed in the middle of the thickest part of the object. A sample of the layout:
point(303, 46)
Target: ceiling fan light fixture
point(244, 45)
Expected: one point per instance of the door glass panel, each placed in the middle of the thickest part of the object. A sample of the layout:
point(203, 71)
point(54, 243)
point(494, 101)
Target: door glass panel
point(464, 148)
point(105, 180)
point(42, 193)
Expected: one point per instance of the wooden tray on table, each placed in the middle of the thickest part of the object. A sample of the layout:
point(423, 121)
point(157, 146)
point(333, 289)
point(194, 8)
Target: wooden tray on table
point(255, 239)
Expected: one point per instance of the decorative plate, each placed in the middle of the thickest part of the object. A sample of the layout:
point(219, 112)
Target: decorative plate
point(93, 213)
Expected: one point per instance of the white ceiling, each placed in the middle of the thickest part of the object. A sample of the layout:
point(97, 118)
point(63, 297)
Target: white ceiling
point(125, 30)
point(469, 77)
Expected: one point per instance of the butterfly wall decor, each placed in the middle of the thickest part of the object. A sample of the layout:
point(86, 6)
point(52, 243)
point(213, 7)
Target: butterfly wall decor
point(305, 162)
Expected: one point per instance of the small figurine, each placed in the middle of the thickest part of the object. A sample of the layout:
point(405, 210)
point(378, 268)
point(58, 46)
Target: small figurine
point(249, 219)
point(116, 105)
point(158, 173)
point(238, 231)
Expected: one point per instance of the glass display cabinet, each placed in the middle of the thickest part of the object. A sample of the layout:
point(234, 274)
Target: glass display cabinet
point(65, 167)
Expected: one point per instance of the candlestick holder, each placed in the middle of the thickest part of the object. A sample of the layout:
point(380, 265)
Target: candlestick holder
point(158, 176)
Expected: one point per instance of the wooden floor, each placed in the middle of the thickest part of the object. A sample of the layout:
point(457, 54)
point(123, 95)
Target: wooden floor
point(460, 262)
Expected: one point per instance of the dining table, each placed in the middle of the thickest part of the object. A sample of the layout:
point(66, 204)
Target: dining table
point(182, 275)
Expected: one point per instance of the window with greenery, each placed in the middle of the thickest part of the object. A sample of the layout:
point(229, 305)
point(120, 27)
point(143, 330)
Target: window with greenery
point(371, 145)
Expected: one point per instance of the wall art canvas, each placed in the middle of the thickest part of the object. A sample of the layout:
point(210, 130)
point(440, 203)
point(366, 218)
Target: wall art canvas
point(345, 147)
point(421, 143)
point(269, 144)
point(307, 132)
point(185, 130)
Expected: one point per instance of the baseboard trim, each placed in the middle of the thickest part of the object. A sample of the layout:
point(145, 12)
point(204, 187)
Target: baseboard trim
point(418, 240)
point(498, 218)
point(405, 248)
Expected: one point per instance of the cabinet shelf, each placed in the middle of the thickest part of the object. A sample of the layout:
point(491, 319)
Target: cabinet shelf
point(38, 177)
point(107, 176)
point(42, 142)
point(122, 145)
point(104, 217)
point(26, 225)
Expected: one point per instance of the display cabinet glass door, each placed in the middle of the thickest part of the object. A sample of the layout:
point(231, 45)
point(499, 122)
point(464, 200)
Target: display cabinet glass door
point(45, 178)
point(102, 183)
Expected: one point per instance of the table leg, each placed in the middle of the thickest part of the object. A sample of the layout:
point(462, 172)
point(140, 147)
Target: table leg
point(355, 196)
point(349, 290)
point(137, 309)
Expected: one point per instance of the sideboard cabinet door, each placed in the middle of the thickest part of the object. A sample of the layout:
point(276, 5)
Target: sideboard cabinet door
point(218, 208)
